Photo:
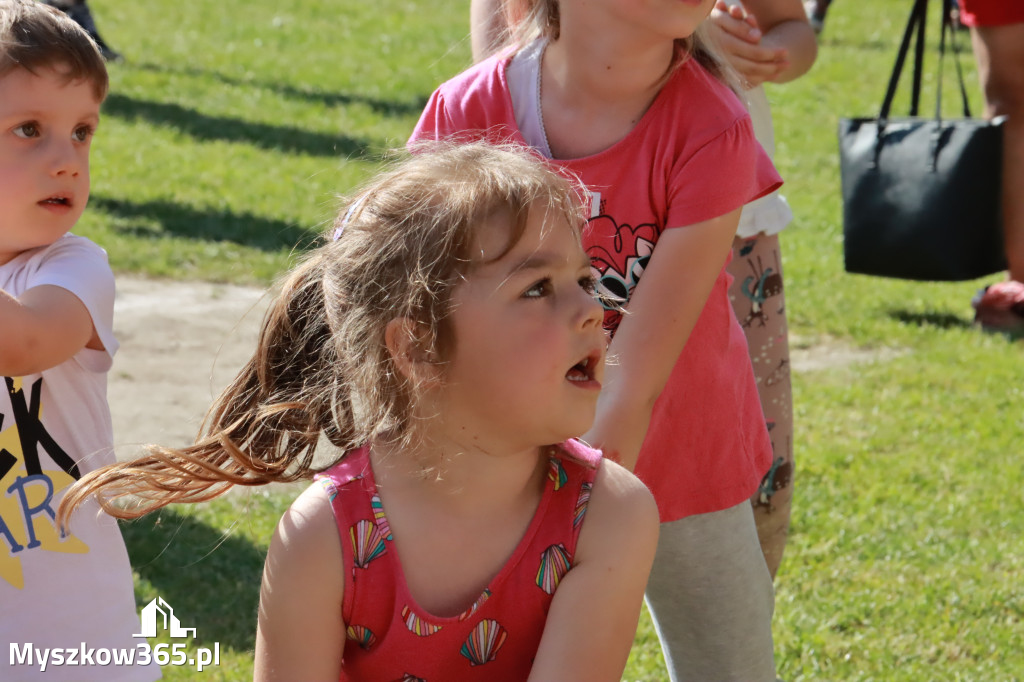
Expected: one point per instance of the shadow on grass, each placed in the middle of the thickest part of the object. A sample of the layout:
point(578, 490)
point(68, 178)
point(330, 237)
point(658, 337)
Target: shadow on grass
point(212, 581)
point(205, 127)
point(332, 99)
point(940, 320)
point(206, 224)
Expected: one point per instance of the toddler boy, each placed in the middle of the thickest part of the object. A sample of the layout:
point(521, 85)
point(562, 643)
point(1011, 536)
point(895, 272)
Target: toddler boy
point(67, 609)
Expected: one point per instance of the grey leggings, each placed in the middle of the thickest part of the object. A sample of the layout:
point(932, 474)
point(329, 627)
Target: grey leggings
point(711, 598)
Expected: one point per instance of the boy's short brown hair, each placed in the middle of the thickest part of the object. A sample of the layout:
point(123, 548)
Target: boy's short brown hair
point(35, 37)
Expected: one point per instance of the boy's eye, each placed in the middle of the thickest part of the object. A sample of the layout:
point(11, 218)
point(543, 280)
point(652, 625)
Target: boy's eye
point(541, 288)
point(27, 130)
point(82, 133)
point(589, 284)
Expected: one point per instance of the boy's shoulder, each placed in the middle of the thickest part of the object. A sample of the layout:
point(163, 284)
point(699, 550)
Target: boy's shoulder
point(69, 248)
point(73, 245)
point(77, 265)
point(72, 262)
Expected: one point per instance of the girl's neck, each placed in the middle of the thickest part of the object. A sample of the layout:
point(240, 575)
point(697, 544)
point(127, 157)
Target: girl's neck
point(593, 92)
point(456, 523)
point(456, 515)
point(609, 69)
point(457, 475)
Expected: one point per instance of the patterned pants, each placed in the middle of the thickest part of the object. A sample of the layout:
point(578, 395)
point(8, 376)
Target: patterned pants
point(759, 301)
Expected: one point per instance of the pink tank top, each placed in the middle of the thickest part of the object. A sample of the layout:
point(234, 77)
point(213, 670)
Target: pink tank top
point(389, 637)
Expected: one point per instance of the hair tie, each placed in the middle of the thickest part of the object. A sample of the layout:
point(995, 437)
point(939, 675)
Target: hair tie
point(347, 217)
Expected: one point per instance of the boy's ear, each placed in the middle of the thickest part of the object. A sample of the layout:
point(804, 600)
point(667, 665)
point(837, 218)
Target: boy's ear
point(411, 347)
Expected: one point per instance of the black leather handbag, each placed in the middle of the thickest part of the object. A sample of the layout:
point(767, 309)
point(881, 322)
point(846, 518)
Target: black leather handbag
point(921, 196)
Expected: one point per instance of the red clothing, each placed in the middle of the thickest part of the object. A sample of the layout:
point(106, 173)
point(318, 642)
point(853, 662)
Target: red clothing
point(692, 157)
point(390, 637)
point(991, 12)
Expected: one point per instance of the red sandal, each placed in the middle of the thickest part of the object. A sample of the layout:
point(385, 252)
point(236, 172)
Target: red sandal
point(1000, 307)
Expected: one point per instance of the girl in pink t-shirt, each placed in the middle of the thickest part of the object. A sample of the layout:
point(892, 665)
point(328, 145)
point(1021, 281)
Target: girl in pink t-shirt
point(627, 96)
point(448, 344)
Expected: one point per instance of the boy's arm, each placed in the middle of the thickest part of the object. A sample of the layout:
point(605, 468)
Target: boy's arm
point(594, 613)
point(301, 635)
point(42, 328)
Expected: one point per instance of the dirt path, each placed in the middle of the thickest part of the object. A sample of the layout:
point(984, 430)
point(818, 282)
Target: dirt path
point(181, 342)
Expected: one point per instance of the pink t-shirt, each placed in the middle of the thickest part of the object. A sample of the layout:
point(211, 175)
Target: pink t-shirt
point(692, 157)
point(391, 637)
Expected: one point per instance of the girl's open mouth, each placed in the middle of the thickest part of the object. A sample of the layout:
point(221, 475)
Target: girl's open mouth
point(583, 372)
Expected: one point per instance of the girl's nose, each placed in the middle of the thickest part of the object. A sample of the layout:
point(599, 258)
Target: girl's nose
point(592, 314)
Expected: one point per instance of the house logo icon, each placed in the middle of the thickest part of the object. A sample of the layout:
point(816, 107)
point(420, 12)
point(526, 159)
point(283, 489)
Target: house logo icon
point(156, 610)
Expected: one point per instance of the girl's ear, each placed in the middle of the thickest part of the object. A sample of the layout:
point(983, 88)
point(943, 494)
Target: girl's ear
point(411, 347)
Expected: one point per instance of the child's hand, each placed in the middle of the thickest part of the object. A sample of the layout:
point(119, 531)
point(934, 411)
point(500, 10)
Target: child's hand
point(743, 44)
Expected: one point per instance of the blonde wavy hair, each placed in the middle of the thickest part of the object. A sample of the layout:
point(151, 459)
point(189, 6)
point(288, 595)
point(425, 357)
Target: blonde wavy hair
point(321, 367)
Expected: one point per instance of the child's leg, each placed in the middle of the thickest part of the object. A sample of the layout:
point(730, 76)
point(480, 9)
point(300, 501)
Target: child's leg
point(711, 599)
point(759, 301)
point(999, 51)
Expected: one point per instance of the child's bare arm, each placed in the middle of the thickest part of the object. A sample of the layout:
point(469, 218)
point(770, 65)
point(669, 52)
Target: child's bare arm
point(661, 313)
point(42, 328)
point(301, 635)
point(594, 613)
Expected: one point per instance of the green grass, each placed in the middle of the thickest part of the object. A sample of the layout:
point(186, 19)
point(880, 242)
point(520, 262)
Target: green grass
point(229, 130)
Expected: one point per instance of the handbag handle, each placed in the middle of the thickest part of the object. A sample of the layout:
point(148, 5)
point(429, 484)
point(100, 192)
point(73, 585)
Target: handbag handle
point(947, 27)
point(940, 136)
point(918, 13)
point(916, 30)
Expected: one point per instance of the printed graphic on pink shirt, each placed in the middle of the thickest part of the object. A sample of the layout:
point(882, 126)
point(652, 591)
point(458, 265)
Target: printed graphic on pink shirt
point(618, 255)
point(483, 645)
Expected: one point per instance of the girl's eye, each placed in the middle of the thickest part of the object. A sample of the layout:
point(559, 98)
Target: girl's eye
point(589, 284)
point(541, 288)
point(82, 133)
point(27, 130)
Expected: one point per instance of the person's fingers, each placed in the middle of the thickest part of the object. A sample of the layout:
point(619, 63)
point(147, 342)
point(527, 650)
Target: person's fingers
point(752, 52)
point(738, 12)
point(736, 49)
point(757, 72)
point(737, 28)
point(779, 68)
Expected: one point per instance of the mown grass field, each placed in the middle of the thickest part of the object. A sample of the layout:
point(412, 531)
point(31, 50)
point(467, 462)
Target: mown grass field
point(231, 127)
